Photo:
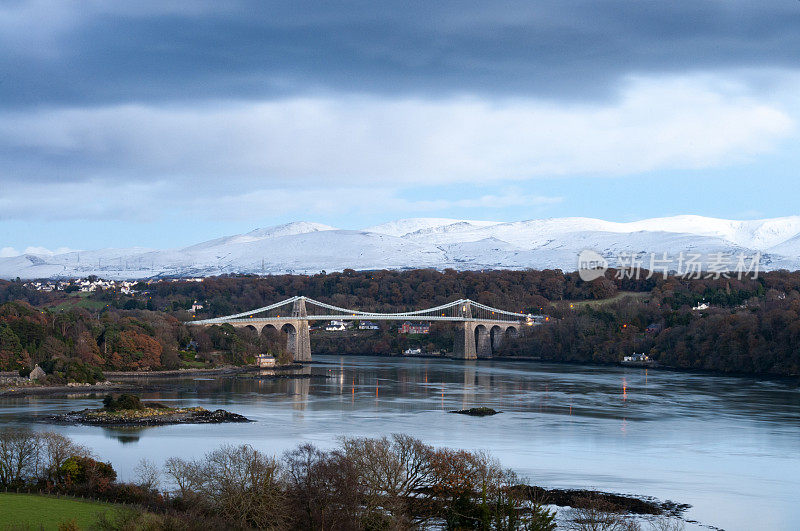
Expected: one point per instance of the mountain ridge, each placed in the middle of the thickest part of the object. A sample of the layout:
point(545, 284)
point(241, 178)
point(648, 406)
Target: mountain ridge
point(309, 247)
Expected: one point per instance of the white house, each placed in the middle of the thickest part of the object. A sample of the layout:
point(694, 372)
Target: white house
point(265, 360)
point(636, 357)
point(36, 373)
point(368, 325)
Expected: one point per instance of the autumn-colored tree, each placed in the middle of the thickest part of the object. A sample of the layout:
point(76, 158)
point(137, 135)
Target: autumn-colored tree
point(138, 351)
point(87, 350)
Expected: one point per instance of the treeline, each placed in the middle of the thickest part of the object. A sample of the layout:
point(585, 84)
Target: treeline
point(407, 290)
point(71, 344)
point(751, 325)
point(75, 345)
point(367, 290)
point(753, 330)
point(394, 482)
point(393, 291)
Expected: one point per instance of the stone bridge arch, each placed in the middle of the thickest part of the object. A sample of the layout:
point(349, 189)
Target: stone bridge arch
point(268, 328)
point(298, 340)
point(483, 342)
point(496, 336)
point(473, 338)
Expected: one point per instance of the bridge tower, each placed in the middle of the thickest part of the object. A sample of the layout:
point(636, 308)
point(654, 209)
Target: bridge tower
point(464, 344)
point(299, 343)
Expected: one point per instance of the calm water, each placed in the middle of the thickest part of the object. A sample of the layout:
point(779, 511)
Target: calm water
point(728, 446)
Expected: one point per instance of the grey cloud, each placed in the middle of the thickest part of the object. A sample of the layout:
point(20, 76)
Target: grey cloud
point(173, 51)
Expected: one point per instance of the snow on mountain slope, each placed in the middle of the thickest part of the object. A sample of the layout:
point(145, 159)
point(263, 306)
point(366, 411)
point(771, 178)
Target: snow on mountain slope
point(756, 234)
point(305, 247)
point(308, 252)
point(287, 229)
point(790, 247)
point(78, 263)
point(403, 227)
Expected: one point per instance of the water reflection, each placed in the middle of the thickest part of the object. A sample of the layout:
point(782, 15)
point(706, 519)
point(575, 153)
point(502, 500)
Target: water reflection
point(725, 445)
point(123, 435)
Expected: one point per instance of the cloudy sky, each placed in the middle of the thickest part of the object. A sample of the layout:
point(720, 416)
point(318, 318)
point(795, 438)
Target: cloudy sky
point(159, 123)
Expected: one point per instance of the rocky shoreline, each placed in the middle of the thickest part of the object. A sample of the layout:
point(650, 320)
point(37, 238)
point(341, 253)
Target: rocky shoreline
point(145, 381)
point(620, 503)
point(147, 417)
point(68, 389)
point(179, 373)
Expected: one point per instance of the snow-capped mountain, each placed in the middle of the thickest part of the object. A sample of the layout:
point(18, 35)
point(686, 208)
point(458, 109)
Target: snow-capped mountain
point(305, 247)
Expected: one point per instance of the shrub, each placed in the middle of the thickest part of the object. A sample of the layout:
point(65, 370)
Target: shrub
point(71, 370)
point(122, 402)
point(80, 470)
point(68, 525)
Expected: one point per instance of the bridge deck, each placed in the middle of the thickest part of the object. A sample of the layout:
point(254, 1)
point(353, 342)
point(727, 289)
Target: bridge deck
point(359, 318)
point(296, 308)
point(475, 335)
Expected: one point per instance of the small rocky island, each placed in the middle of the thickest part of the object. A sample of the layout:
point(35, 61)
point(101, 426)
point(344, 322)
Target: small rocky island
point(129, 411)
point(477, 411)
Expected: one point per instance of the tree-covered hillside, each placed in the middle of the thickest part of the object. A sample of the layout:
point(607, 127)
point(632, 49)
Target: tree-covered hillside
point(750, 326)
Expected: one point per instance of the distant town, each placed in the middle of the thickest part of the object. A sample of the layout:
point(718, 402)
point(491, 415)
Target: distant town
point(93, 283)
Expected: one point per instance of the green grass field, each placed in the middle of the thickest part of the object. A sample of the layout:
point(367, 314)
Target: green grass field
point(79, 300)
point(31, 511)
point(619, 296)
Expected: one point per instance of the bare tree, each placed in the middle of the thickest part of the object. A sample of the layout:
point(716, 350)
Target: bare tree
point(186, 475)
point(55, 450)
point(393, 470)
point(148, 475)
point(667, 524)
point(595, 515)
point(19, 455)
point(243, 485)
point(324, 488)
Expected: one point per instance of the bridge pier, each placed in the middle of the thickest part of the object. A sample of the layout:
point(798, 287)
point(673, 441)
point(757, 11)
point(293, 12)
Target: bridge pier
point(464, 347)
point(300, 345)
point(299, 342)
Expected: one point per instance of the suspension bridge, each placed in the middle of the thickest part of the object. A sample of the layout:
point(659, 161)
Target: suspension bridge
point(480, 329)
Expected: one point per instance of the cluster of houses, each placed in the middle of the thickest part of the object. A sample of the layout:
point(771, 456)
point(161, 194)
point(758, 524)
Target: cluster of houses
point(414, 328)
point(85, 285)
point(406, 328)
point(92, 283)
point(48, 285)
point(340, 326)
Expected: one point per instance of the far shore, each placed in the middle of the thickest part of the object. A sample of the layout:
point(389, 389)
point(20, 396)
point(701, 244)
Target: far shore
point(538, 359)
point(225, 369)
point(132, 384)
point(125, 381)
